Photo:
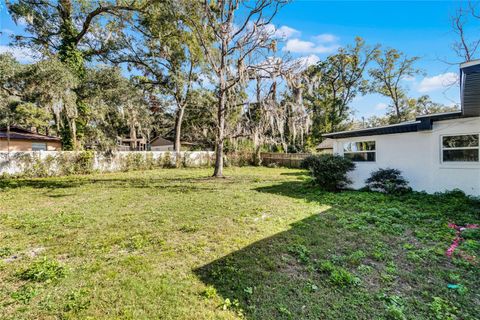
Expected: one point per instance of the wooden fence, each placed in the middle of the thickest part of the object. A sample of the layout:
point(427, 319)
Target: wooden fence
point(290, 160)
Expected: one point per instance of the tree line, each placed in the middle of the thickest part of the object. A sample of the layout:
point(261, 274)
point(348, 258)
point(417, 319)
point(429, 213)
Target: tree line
point(208, 72)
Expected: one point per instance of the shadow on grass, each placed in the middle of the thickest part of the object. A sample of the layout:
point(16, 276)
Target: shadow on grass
point(173, 184)
point(40, 183)
point(278, 277)
point(274, 278)
point(297, 174)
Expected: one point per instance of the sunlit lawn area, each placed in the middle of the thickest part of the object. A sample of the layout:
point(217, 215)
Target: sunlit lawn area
point(259, 244)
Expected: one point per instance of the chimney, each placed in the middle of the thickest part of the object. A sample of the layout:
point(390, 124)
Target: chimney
point(470, 88)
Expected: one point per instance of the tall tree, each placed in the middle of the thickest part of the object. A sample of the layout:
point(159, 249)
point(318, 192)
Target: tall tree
point(333, 83)
point(51, 85)
point(167, 53)
point(392, 67)
point(121, 108)
point(237, 30)
point(465, 47)
point(75, 31)
point(10, 90)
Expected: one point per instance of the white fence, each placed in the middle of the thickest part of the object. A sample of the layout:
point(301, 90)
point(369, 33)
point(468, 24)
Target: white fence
point(51, 163)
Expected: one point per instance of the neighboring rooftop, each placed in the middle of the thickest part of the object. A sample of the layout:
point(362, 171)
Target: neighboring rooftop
point(17, 133)
point(160, 141)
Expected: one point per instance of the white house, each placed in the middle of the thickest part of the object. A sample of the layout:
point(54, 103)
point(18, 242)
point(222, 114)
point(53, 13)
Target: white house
point(435, 152)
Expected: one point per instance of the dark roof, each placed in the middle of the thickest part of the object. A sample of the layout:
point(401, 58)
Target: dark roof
point(17, 133)
point(421, 123)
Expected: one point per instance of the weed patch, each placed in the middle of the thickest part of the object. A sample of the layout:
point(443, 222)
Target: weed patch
point(43, 270)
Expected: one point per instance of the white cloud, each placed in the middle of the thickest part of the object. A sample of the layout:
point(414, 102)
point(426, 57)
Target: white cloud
point(23, 55)
point(307, 61)
point(441, 81)
point(326, 38)
point(381, 106)
point(300, 46)
point(286, 32)
point(22, 21)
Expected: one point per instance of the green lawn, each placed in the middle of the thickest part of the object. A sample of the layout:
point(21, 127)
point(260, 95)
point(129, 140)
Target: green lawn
point(259, 244)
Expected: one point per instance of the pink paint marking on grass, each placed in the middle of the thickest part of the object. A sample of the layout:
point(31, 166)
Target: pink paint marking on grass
point(458, 236)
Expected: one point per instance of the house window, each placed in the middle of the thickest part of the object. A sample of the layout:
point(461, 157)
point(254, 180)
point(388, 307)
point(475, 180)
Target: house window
point(39, 146)
point(460, 148)
point(359, 151)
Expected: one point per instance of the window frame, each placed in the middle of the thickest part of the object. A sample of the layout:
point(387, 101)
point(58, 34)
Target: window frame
point(442, 148)
point(365, 151)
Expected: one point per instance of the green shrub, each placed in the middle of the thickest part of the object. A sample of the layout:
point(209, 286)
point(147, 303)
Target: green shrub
point(43, 270)
point(83, 162)
point(149, 161)
point(133, 161)
point(387, 181)
point(329, 171)
point(166, 160)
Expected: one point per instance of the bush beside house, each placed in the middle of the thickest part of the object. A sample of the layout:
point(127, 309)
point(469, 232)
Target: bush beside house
point(329, 171)
point(387, 181)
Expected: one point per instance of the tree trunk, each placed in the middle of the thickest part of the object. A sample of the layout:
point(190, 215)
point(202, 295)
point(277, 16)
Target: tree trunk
point(133, 138)
point(178, 131)
point(74, 135)
point(218, 172)
point(397, 110)
point(257, 159)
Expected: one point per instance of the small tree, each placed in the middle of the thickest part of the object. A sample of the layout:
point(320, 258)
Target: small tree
point(329, 172)
point(387, 181)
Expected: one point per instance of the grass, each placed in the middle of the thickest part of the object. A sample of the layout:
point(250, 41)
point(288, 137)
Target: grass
point(259, 244)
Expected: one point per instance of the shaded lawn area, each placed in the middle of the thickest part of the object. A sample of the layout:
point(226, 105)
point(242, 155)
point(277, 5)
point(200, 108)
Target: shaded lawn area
point(260, 244)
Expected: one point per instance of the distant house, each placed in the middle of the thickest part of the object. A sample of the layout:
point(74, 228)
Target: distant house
point(162, 144)
point(26, 140)
point(435, 152)
point(129, 144)
point(326, 146)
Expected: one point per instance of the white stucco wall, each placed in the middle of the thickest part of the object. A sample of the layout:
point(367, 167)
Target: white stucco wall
point(162, 148)
point(10, 163)
point(418, 156)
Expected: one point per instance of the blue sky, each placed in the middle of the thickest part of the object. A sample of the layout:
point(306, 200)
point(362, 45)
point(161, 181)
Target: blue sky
point(316, 28)
point(418, 28)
